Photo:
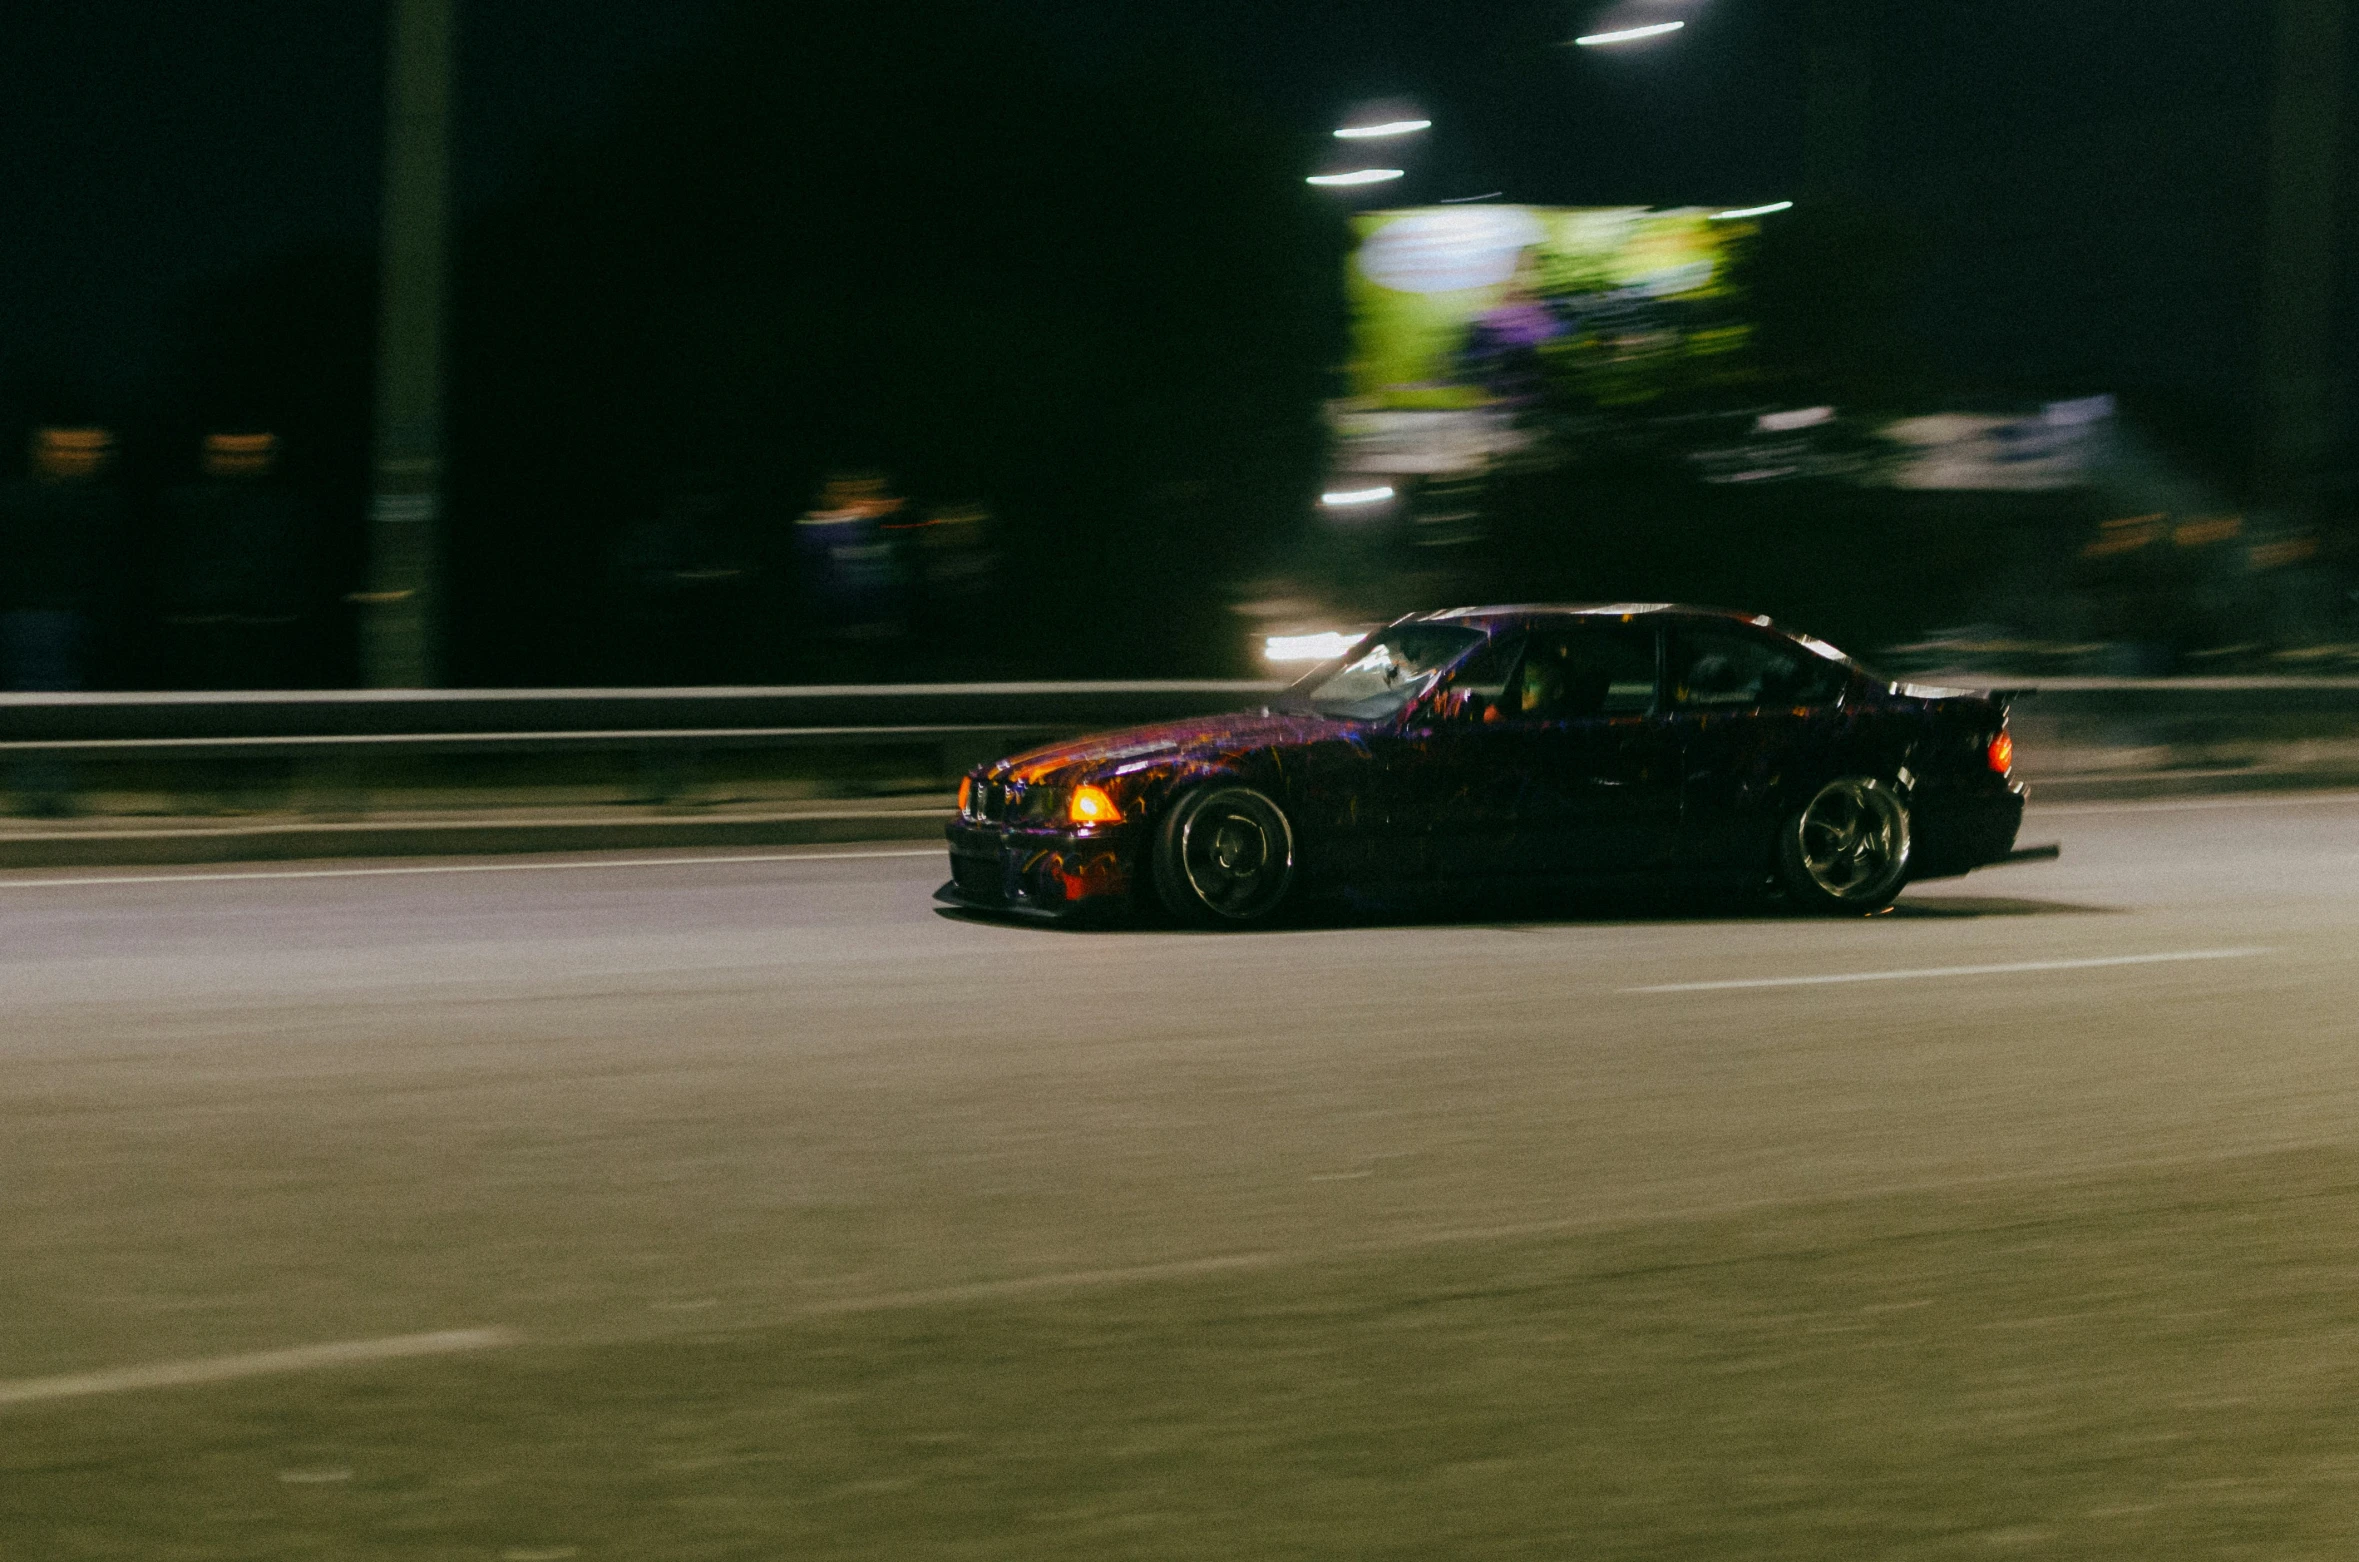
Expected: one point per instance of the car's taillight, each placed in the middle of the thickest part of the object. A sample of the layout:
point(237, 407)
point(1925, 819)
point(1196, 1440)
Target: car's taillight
point(2002, 753)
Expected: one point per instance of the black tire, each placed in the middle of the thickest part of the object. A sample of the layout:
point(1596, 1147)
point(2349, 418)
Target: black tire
point(1846, 851)
point(1224, 857)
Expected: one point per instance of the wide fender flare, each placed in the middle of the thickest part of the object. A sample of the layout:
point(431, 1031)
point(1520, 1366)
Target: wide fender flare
point(1880, 756)
point(1262, 771)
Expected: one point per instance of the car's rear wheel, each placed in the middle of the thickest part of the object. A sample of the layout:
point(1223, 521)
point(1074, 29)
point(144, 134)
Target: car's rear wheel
point(1846, 851)
point(1224, 856)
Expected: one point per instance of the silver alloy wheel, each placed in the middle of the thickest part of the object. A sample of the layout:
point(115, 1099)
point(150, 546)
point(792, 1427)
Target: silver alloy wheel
point(1235, 850)
point(1852, 841)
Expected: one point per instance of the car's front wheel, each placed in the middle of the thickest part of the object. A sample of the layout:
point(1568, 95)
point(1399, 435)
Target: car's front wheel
point(1224, 856)
point(1847, 849)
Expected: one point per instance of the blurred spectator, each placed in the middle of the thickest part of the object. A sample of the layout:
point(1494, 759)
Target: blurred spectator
point(849, 561)
point(234, 593)
point(57, 527)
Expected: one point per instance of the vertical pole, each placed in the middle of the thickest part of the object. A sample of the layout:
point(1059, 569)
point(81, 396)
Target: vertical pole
point(399, 608)
point(2298, 289)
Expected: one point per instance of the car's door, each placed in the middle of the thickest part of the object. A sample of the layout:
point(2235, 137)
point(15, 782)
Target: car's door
point(1452, 774)
point(1596, 778)
point(1542, 757)
point(1754, 715)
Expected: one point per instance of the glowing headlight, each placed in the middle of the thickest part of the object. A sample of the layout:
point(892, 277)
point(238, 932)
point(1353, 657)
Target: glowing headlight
point(1092, 805)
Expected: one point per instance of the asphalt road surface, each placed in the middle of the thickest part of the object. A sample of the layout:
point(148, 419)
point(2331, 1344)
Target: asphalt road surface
point(744, 1206)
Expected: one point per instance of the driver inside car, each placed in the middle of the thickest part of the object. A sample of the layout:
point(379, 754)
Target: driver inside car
point(1540, 692)
point(1556, 683)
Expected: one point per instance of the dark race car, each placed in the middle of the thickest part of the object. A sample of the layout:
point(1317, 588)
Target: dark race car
point(1511, 747)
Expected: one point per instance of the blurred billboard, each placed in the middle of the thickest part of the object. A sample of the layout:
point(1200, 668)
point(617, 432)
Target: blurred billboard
point(1484, 332)
point(1458, 307)
point(1468, 318)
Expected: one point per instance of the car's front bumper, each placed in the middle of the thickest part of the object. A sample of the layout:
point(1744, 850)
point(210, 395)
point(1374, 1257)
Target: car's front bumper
point(1040, 872)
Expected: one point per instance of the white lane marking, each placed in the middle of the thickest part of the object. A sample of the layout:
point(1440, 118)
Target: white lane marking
point(461, 867)
point(268, 1363)
point(1062, 1280)
point(2306, 800)
point(1950, 970)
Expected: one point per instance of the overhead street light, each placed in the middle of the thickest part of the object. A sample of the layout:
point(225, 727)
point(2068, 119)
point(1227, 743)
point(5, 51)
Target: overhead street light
point(1627, 35)
point(1392, 127)
point(1751, 211)
point(1357, 176)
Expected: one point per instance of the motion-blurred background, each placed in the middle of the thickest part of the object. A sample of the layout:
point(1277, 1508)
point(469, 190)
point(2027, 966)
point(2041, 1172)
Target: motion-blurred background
point(799, 344)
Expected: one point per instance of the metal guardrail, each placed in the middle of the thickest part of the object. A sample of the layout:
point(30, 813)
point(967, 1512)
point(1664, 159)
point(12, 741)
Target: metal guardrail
point(2212, 697)
point(640, 739)
point(286, 724)
point(338, 737)
point(2159, 686)
point(2124, 711)
point(257, 724)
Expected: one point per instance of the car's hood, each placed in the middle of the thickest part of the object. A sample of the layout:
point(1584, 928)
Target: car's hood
point(1196, 740)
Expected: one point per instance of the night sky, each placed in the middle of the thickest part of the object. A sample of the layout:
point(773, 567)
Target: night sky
point(2088, 176)
point(151, 145)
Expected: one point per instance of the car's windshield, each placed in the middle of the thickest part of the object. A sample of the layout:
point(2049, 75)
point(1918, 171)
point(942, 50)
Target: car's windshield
point(1379, 677)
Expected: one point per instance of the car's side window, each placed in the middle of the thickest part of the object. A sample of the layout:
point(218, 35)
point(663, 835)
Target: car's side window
point(1485, 674)
point(1582, 670)
point(1714, 668)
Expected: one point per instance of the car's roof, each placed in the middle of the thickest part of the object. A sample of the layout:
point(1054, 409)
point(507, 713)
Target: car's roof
point(1520, 610)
